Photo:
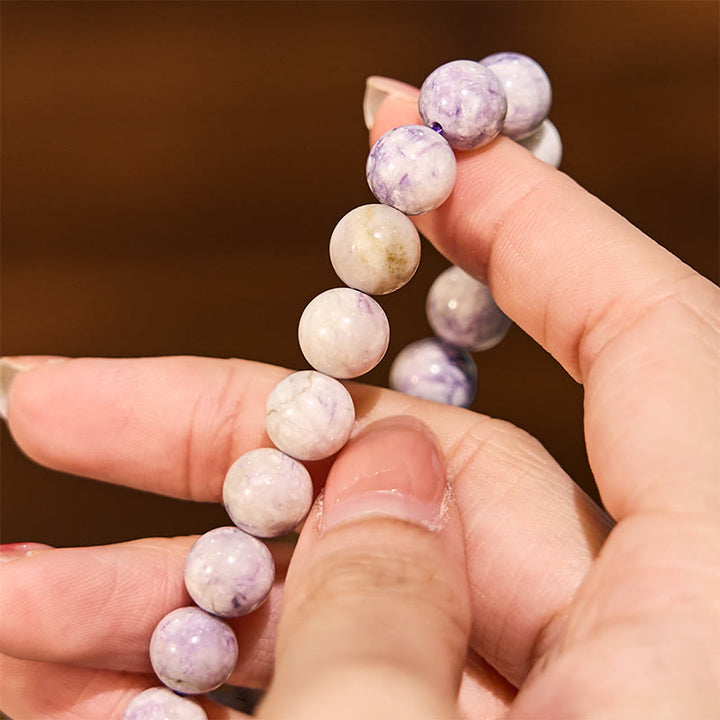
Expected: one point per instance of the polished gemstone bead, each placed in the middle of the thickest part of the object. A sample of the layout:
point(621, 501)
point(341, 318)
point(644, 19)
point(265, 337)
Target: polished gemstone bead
point(411, 168)
point(466, 101)
point(375, 248)
point(527, 90)
point(309, 415)
point(192, 651)
point(267, 493)
point(435, 370)
point(343, 333)
point(545, 144)
point(461, 311)
point(228, 572)
point(159, 703)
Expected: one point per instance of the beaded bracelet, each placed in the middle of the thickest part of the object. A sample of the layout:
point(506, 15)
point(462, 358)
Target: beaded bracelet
point(343, 333)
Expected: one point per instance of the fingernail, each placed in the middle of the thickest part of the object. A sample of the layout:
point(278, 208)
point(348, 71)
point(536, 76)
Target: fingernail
point(10, 367)
point(393, 469)
point(377, 88)
point(16, 551)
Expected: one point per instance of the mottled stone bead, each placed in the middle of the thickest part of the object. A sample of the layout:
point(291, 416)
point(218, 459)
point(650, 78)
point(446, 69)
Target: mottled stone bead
point(375, 249)
point(309, 415)
point(192, 651)
point(435, 370)
point(162, 704)
point(527, 90)
point(343, 333)
point(267, 493)
point(228, 572)
point(461, 311)
point(466, 100)
point(545, 144)
point(411, 168)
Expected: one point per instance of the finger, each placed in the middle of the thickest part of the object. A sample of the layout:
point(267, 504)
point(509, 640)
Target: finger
point(638, 327)
point(105, 602)
point(484, 693)
point(376, 611)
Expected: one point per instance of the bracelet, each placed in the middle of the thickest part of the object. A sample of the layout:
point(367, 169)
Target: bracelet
point(344, 333)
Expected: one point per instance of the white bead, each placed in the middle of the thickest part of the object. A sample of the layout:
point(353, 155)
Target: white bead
point(267, 493)
point(343, 333)
point(309, 415)
point(159, 703)
point(375, 248)
point(545, 144)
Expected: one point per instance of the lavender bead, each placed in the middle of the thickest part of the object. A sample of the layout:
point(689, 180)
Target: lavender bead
point(192, 651)
point(162, 704)
point(267, 493)
point(411, 168)
point(309, 415)
point(343, 333)
point(375, 248)
point(461, 311)
point(435, 370)
point(545, 144)
point(527, 90)
point(228, 572)
point(466, 100)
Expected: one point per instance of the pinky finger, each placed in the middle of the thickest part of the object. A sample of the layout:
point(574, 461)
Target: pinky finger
point(32, 690)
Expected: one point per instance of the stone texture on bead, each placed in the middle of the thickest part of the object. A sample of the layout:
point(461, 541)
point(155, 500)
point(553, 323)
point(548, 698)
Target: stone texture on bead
point(461, 311)
point(375, 249)
point(545, 144)
point(435, 370)
point(228, 572)
point(527, 90)
point(411, 168)
point(466, 100)
point(192, 651)
point(267, 493)
point(343, 333)
point(309, 415)
point(162, 704)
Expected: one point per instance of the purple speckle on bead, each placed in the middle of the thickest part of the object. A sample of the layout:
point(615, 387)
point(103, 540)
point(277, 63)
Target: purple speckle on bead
point(159, 703)
point(466, 101)
point(411, 168)
point(192, 651)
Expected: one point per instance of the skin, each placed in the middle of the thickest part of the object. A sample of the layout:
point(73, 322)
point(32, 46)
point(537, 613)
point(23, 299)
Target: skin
point(527, 602)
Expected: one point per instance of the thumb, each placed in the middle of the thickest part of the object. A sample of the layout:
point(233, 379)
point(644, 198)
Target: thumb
point(376, 607)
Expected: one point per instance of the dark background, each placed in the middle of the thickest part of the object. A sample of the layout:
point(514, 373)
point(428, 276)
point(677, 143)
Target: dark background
point(171, 173)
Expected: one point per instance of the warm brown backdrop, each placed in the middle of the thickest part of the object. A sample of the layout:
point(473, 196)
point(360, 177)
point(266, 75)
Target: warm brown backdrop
point(172, 171)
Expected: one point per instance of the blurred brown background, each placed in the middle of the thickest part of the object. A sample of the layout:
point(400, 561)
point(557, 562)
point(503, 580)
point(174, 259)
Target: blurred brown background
point(172, 171)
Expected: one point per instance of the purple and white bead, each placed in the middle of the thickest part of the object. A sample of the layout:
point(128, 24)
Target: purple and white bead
point(267, 493)
point(435, 370)
point(159, 703)
point(343, 333)
point(527, 90)
point(375, 249)
point(465, 101)
point(545, 144)
point(411, 168)
point(228, 572)
point(461, 311)
point(192, 651)
point(309, 415)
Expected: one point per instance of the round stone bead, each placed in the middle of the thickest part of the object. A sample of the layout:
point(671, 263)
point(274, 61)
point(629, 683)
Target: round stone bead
point(343, 333)
point(267, 493)
point(466, 100)
point(545, 144)
point(162, 704)
point(228, 572)
point(309, 415)
point(435, 370)
point(375, 249)
point(461, 311)
point(192, 651)
point(411, 168)
point(527, 90)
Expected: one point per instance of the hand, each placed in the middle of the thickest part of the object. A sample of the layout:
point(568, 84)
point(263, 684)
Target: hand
point(521, 597)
